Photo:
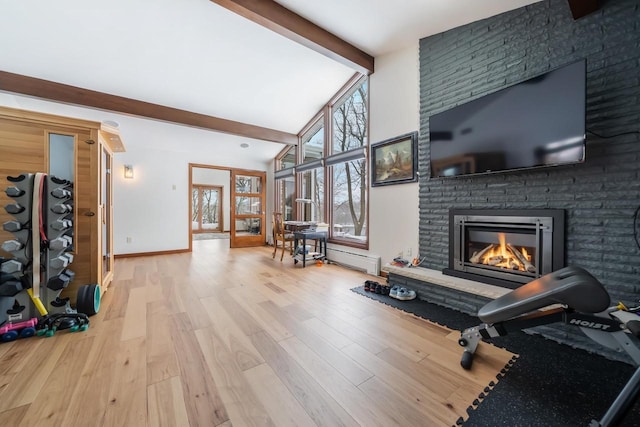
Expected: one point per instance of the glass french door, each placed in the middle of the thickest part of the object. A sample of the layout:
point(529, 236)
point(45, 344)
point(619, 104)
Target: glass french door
point(206, 204)
point(247, 208)
point(106, 208)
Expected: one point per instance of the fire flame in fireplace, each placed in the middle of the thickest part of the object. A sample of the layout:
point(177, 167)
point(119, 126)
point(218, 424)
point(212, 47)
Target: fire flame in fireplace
point(504, 255)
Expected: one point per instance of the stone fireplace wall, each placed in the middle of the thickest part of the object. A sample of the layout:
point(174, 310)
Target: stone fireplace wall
point(600, 196)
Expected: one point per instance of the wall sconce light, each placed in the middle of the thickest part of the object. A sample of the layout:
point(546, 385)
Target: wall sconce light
point(128, 171)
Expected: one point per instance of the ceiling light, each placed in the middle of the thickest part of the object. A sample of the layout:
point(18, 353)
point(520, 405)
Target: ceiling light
point(111, 123)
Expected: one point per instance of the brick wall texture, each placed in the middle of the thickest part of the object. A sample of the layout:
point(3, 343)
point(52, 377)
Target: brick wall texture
point(600, 196)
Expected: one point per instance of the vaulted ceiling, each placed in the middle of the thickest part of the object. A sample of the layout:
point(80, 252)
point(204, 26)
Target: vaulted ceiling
point(260, 69)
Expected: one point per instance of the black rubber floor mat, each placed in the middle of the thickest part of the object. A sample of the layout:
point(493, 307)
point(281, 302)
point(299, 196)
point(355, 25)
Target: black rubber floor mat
point(551, 384)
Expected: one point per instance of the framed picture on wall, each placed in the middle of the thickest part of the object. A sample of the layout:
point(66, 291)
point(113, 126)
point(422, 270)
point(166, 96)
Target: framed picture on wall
point(395, 161)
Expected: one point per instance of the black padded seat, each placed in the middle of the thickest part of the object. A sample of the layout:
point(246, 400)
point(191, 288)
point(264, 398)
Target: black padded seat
point(571, 286)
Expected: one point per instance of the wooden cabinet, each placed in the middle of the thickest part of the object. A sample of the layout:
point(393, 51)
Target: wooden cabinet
point(26, 146)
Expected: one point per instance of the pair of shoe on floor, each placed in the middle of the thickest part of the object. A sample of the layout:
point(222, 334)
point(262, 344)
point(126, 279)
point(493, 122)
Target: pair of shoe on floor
point(402, 294)
point(371, 286)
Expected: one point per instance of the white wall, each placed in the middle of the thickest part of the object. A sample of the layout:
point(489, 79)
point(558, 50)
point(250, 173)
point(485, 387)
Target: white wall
point(394, 110)
point(153, 208)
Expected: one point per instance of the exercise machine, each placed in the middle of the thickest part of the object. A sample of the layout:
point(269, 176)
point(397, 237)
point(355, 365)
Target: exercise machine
point(573, 296)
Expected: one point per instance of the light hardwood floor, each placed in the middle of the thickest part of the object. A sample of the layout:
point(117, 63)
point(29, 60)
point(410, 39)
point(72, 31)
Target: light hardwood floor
point(224, 337)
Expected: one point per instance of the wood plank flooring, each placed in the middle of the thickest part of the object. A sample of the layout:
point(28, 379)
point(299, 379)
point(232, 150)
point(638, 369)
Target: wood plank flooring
point(224, 337)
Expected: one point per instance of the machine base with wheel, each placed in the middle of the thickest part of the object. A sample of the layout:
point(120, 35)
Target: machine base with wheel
point(573, 296)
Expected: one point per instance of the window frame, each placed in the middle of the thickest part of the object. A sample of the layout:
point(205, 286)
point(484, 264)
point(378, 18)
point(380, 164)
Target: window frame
point(311, 129)
point(279, 197)
point(325, 116)
point(341, 96)
point(200, 188)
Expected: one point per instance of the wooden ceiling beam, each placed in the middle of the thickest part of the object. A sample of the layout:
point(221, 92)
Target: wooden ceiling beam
point(59, 92)
point(277, 18)
point(580, 8)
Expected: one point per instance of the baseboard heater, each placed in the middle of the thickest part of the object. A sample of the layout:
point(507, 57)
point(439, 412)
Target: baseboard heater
point(368, 263)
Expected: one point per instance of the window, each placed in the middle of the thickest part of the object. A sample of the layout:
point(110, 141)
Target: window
point(288, 190)
point(313, 142)
point(206, 208)
point(349, 178)
point(312, 173)
point(288, 159)
point(286, 184)
point(332, 168)
point(312, 185)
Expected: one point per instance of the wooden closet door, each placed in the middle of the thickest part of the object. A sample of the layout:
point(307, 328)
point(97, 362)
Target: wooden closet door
point(22, 149)
point(87, 229)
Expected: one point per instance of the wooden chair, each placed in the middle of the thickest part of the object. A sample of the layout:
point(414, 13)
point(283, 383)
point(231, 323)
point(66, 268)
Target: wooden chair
point(280, 235)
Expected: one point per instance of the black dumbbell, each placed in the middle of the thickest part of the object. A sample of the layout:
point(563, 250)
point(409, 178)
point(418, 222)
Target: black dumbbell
point(14, 192)
point(10, 288)
point(61, 242)
point(61, 224)
point(14, 208)
point(12, 245)
point(58, 282)
point(61, 208)
point(61, 261)
point(71, 274)
point(12, 226)
point(61, 193)
point(12, 266)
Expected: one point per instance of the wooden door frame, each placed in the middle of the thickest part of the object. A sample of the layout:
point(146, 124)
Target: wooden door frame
point(231, 208)
point(261, 237)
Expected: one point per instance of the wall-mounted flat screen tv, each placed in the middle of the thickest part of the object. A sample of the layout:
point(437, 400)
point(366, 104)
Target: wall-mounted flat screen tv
point(537, 122)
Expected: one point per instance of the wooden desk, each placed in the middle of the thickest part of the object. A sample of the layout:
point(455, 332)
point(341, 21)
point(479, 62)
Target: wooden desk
point(303, 235)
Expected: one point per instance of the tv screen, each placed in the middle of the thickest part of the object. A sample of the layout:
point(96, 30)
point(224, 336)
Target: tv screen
point(538, 122)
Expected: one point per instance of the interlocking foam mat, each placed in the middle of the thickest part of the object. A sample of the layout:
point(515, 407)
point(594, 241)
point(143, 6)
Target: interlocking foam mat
point(550, 384)
point(490, 365)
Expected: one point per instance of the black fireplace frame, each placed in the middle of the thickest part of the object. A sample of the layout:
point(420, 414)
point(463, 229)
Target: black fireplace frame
point(555, 218)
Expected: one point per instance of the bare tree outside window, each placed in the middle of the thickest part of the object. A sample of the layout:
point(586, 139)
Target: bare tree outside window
point(194, 204)
point(338, 190)
point(209, 206)
point(349, 179)
point(205, 208)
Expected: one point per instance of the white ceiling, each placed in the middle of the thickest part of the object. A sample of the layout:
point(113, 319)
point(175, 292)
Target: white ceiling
point(198, 56)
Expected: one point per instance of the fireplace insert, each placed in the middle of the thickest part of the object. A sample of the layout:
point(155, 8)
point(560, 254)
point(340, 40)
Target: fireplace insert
point(505, 247)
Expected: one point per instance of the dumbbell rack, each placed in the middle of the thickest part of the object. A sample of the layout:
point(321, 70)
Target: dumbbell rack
point(16, 275)
point(59, 219)
point(32, 281)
